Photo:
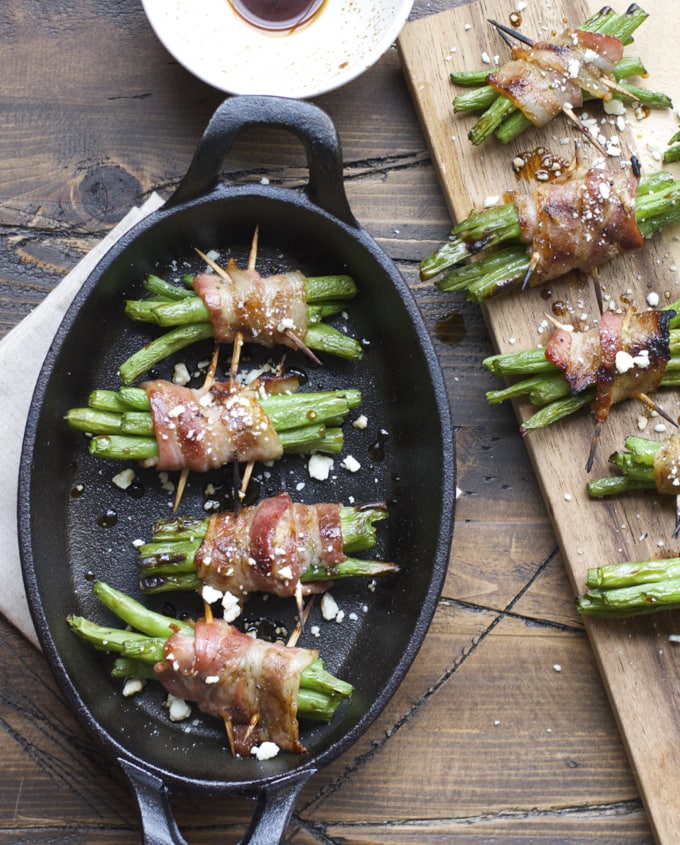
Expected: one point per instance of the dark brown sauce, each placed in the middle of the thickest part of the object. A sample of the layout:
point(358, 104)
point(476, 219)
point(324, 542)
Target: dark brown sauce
point(277, 15)
point(539, 164)
point(450, 328)
point(377, 450)
point(135, 490)
point(108, 519)
point(265, 629)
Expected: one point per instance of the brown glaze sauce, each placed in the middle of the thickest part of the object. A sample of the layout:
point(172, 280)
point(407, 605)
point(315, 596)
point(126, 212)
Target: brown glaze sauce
point(279, 16)
point(539, 164)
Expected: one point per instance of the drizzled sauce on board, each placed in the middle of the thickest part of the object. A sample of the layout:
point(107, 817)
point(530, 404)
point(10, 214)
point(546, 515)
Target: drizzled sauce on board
point(277, 15)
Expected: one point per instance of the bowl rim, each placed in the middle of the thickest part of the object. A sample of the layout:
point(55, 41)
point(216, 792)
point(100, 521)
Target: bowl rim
point(171, 33)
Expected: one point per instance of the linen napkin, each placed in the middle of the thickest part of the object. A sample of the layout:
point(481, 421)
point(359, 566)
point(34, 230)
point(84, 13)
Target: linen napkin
point(29, 343)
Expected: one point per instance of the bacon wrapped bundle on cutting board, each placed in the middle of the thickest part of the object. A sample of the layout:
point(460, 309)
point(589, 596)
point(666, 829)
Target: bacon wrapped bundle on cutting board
point(251, 684)
point(627, 356)
point(576, 221)
point(624, 357)
point(579, 222)
point(546, 77)
point(643, 465)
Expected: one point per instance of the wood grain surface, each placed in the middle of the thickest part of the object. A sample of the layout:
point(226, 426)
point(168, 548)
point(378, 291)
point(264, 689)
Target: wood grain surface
point(641, 670)
point(502, 730)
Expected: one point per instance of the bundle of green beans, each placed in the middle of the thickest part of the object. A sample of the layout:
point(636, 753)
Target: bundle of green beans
point(488, 258)
point(672, 152)
point(167, 562)
point(506, 122)
point(631, 589)
point(183, 312)
point(544, 385)
point(318, 696)
point(122, 425)
point(635, 463)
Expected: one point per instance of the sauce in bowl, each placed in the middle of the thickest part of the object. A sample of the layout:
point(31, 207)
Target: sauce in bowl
point(277, 15)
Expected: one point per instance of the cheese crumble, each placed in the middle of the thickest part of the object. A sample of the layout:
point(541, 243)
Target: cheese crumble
point(265, 751)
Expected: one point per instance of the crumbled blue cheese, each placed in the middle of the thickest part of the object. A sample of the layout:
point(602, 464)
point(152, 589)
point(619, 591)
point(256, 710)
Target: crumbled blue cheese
point(652, 299)
point(351, 464)
point(210, 595)
point(124, 479)
point(132, 686)
point(178, 709)
point(231, 607)
point(361, 421)
point(329, 607)
point(614, 106)
point(181, 374)
point(166, 484)
point(641, 360)
point(265, 751)
point(320, 466)
point(625, 361)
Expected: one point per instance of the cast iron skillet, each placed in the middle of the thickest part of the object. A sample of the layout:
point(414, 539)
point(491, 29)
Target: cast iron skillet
point(406, 452)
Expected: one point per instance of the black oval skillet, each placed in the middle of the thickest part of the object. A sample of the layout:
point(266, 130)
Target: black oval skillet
point(406, 452)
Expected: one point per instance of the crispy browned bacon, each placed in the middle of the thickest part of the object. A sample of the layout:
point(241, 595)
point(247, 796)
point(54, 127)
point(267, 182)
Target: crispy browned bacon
point(267, 547)
point(625, 357)
point(541, 79)
point(579, 222)
point(250, 683)
point(206, 428)
point(266, 311)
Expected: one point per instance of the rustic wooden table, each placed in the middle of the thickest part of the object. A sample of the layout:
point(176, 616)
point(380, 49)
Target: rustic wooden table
point(502, 730)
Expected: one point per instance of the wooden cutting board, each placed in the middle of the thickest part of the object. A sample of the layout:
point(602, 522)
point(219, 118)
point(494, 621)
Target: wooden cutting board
point(640, 667)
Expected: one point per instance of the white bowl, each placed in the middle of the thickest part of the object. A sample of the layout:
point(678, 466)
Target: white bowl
point(339, 43)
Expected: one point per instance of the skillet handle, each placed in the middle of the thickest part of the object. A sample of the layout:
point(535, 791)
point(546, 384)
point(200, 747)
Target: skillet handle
point(273, 808)
point(308, 122)
point(158, 823)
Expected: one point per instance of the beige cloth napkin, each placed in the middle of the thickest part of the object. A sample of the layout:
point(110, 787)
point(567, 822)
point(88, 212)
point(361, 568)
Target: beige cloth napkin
point(25, 347)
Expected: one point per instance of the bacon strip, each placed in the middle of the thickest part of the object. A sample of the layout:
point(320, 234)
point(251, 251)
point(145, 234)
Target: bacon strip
point(624, 357)
point(206, 428)
point(264, 310)
point(667, 466)
point(579, 223)
point(540, 80)
point(237, 678)
point(267, 547)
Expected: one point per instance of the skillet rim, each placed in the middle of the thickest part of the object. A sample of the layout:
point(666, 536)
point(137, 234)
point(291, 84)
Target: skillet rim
point(357, 233)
